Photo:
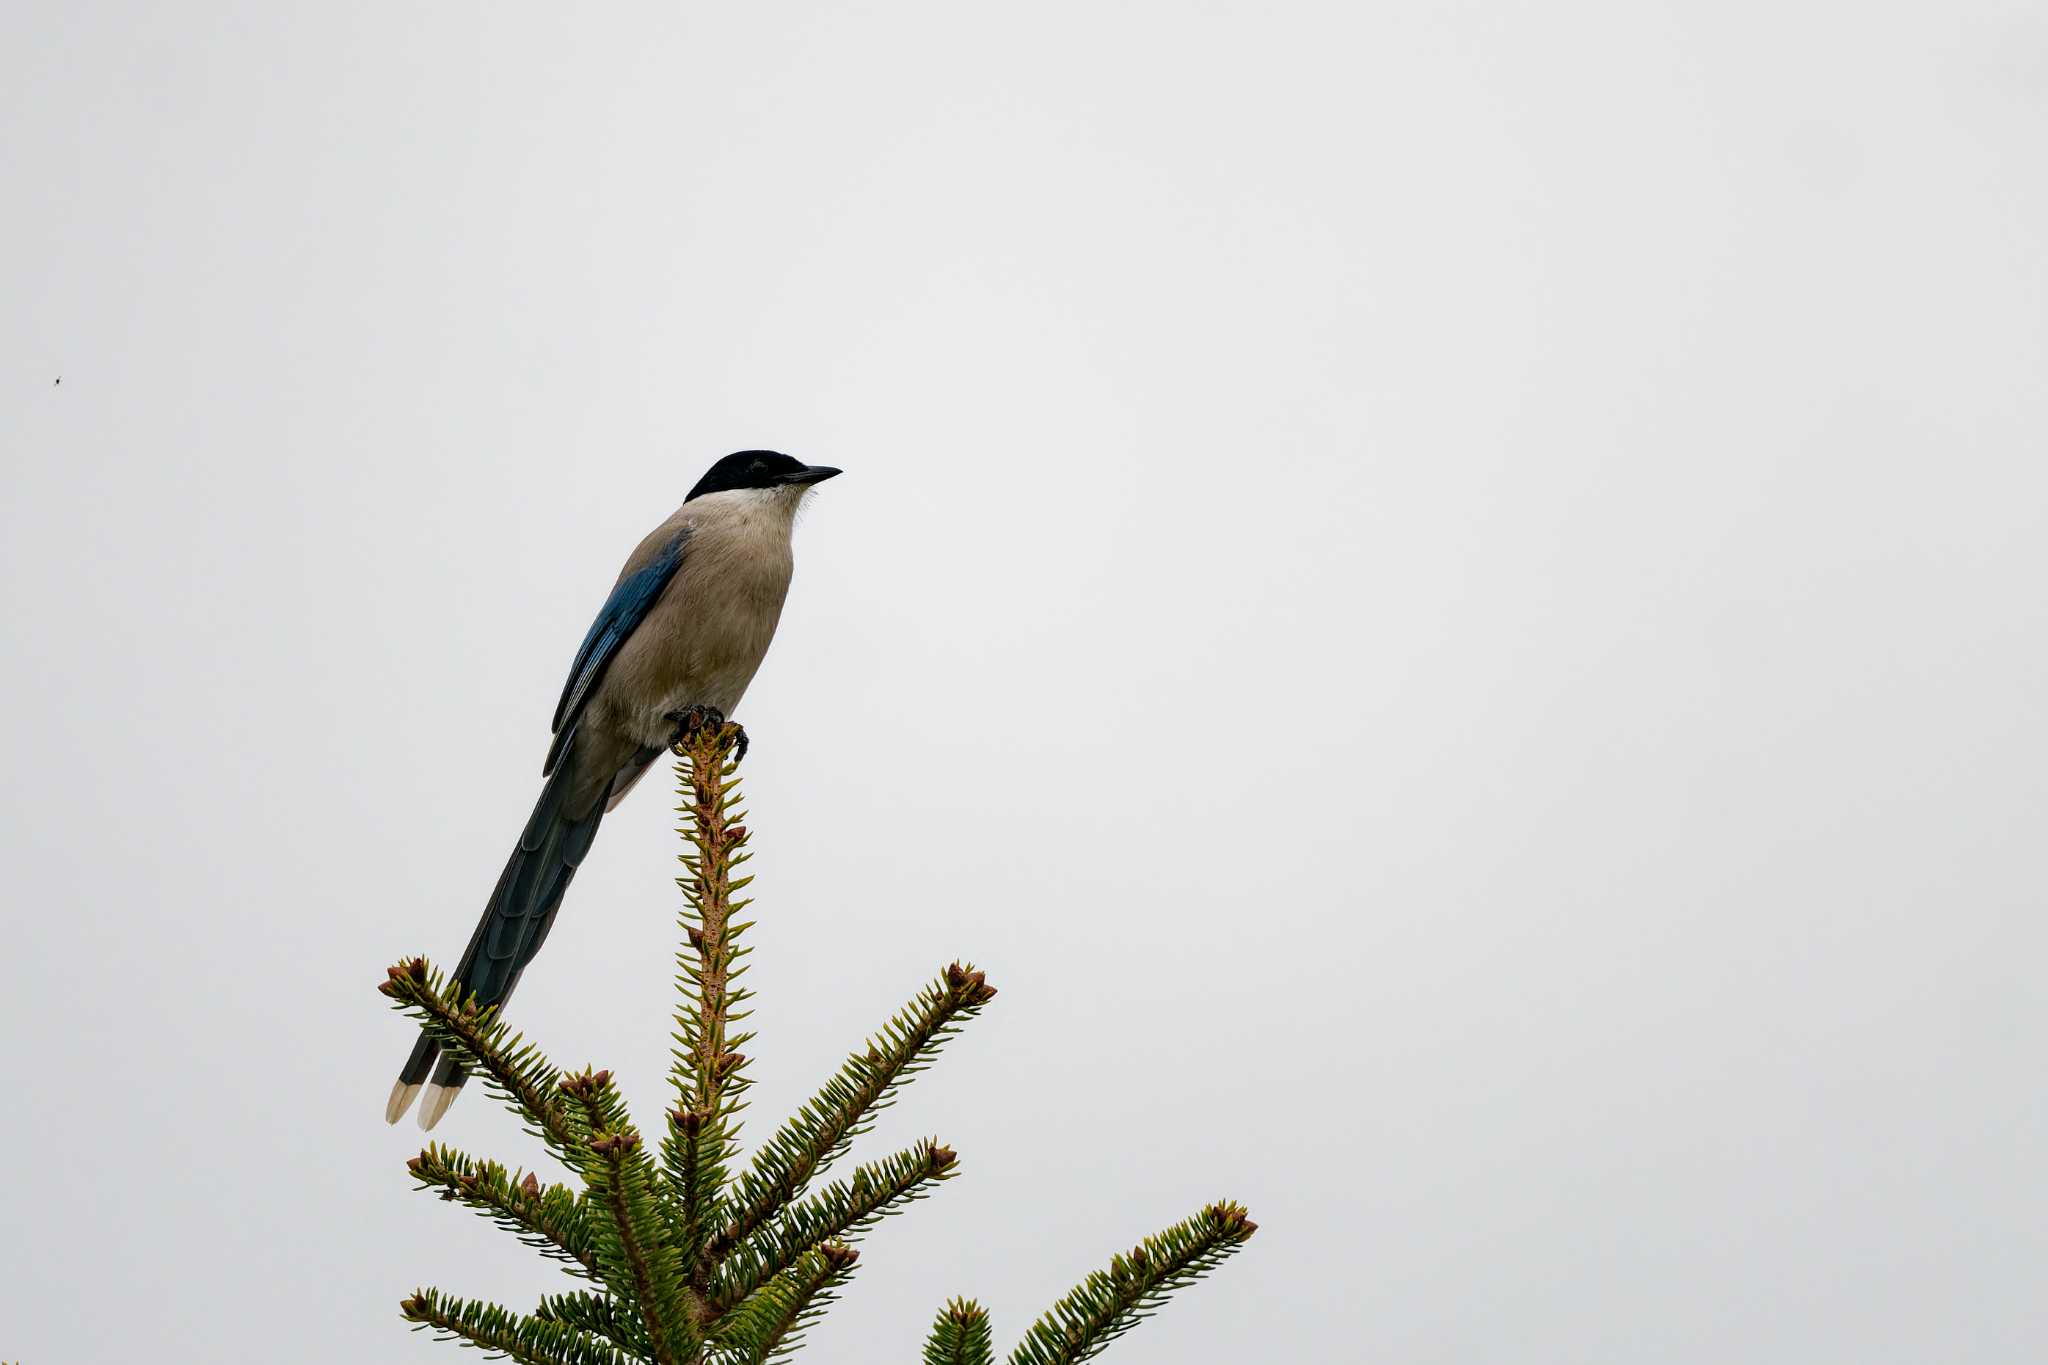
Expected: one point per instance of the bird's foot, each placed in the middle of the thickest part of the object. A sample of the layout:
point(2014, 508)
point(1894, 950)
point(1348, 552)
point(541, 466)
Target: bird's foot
point(691, 720)
point(694, 720)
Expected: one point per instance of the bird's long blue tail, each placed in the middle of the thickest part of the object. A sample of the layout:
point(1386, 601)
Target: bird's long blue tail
point(515, 923)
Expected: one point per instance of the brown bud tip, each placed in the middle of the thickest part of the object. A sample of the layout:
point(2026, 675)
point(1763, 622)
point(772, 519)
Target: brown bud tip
point(729, 1062)
point(942, 1157)
point(968, 987)
point(1138, 1257)
point(1229, 1219)
point(965, 1311)
point(737, 834)
point(838, 1255)
point(696, 937)
point(584, 1084)
point(412, 1307)
point(416, 1163)
point(530, 1186)
point(689, 1122)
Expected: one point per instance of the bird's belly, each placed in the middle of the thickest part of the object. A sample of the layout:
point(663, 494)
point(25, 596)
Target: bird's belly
point(702, 652)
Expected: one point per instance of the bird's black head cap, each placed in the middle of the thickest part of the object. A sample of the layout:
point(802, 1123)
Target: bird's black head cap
point(758, 469)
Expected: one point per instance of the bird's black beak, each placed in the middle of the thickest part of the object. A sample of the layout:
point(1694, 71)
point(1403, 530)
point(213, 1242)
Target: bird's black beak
point(813, 473)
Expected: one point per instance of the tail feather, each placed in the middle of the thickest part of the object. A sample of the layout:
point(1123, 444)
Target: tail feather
point(514, 924)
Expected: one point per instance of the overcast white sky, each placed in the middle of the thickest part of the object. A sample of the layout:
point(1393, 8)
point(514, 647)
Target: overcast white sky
point(1449, 596)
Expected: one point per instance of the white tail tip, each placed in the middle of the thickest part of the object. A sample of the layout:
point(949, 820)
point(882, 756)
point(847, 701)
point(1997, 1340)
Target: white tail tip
point(435, 1104)
point(400, 1101)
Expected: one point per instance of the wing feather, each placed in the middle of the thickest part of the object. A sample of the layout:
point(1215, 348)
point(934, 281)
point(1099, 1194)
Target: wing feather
point(616, 621)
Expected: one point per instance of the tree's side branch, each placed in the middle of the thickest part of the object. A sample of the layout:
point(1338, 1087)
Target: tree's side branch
point(511, 1067)
point(599, 1315)
point(774, 1320)
point(529, 1340)
point(839, 1213)
point(1111, 1302)
point(550, 1218)
point(842, 1110)
point(961, 1336)
point(633, 1247)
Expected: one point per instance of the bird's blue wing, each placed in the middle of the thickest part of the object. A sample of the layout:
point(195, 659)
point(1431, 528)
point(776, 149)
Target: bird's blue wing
point(616, 620)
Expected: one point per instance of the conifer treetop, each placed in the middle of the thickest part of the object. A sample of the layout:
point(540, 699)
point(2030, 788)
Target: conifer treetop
point(684, 1257)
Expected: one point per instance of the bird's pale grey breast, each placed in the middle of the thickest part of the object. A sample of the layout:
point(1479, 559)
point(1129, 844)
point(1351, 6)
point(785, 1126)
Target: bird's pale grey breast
point(705, 637)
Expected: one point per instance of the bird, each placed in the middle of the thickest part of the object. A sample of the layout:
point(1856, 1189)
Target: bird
point(680, 637)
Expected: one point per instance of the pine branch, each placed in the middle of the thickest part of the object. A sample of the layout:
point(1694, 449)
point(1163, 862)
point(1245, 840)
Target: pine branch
point(600, 1315)
point(488, 1327)
point(1111, 1302)
point(839, 1213)
point(513, 1069)
point(845, 1107)
point(707, 1069)
point(774, 1321)
point(692, 1204)
point(960, 1336)
point(549, 1218)
point(633, 1246)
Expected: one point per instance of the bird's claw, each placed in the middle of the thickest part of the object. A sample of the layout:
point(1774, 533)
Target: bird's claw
point(693, 720)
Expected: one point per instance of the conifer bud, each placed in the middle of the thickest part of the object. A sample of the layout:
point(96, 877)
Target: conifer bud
point(530, 1187)
point(838, 1255)
point(1230, 1220)
point(968, 987)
